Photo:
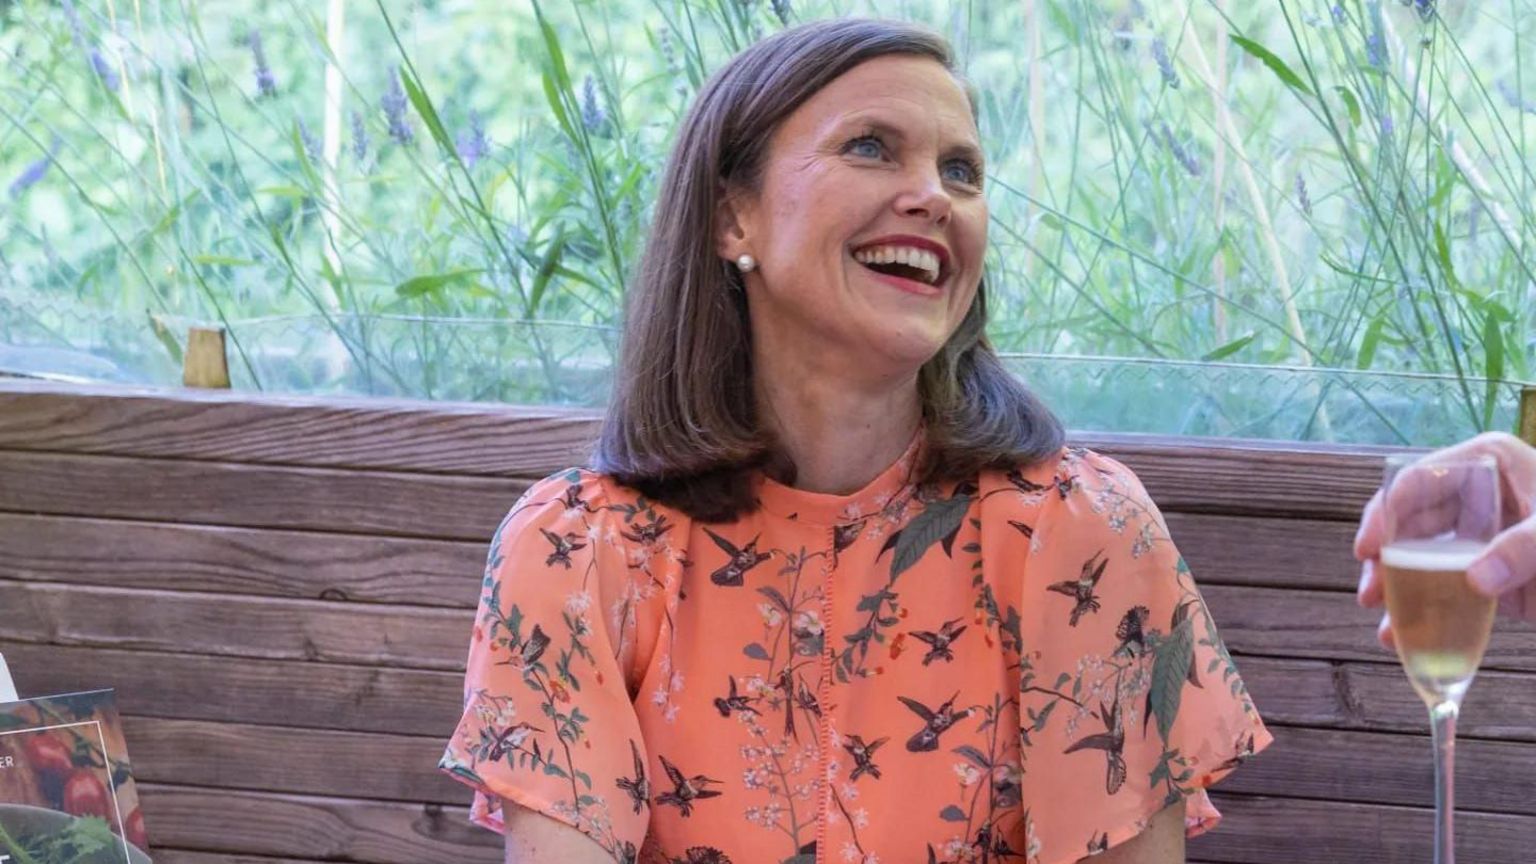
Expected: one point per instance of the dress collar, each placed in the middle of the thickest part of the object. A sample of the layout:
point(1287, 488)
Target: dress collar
point(827, 509)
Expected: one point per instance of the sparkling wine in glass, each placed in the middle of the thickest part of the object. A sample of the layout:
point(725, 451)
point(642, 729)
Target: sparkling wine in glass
point(1440, 515)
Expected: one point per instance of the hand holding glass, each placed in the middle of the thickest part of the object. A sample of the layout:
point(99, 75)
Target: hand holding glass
point(1439, 516)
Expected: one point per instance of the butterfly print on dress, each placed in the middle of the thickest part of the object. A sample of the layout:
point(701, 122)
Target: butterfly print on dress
point(1081, 589)
point(686, 790)
point(733, 572)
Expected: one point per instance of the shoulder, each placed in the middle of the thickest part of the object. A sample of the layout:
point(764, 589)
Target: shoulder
point(1076, 477)
point(559, 501)
point(1079, 491)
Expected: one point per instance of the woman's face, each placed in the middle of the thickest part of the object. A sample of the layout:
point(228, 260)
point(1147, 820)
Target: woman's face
point(881, 166)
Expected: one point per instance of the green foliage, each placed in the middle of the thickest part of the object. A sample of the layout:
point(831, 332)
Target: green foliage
point(448, 201)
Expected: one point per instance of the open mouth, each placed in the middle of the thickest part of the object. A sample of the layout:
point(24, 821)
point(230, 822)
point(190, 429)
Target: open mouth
point(926, 270)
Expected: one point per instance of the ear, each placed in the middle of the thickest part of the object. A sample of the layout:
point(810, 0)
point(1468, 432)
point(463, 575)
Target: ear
point(731, 224)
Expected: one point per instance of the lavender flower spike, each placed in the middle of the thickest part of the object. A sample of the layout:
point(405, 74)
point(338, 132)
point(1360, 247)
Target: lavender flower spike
point(33, 173)
point(310, 142)
point(99, 64)
point(359, 138)
point(473, 145)
point(266, 83)
point(1165, 63)
point(592, 114)
point(394, 103)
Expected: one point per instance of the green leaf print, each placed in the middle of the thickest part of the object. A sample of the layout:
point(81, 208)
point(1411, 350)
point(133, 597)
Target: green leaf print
point(1170, 669)
point(937, 521)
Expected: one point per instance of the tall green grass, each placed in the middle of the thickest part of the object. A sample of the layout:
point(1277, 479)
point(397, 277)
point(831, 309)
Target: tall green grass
point(1326, 205)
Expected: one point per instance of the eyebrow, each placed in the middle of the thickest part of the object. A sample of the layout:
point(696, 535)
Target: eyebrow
point(963, 149)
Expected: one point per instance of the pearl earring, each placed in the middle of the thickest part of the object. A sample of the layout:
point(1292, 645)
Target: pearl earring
point(746, 263)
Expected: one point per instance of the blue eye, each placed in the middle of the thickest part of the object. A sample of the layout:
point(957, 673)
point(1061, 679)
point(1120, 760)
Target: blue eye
point(968, 173)
point(870, 142)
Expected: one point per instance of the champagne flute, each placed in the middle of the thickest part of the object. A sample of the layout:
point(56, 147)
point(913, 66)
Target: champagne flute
point(1440, 515)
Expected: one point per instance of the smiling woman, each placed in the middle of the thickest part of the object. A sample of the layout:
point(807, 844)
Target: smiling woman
point(833, 588)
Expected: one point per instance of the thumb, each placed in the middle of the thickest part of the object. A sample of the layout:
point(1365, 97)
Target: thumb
point(1509, 562)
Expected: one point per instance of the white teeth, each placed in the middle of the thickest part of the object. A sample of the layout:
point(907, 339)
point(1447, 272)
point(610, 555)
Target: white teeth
point(908, 255)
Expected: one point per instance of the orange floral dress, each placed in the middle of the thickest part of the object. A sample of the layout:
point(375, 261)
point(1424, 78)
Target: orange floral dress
point(1017, 667)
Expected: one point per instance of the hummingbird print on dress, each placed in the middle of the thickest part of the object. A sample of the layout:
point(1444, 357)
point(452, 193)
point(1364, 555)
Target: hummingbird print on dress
point(509, 739)
point(686, 790)
point(843, 537)
point(638, 787)
point(1133, 640)
point(564, 546)
point(572, 498)
point(648, 533)
point(935, 723)
point(734, 571)
point(702, 855)
point(863, 755)
point(1081, 589)
point(733, 702)
point(1112, 743)
point(532, 649)
point(939, 643)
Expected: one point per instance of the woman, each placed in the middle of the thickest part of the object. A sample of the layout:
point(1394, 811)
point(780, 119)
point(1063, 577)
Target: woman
point(835, 591)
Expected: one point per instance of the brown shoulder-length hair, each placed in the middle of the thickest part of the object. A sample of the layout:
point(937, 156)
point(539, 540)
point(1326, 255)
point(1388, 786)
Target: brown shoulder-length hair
point(682, 425)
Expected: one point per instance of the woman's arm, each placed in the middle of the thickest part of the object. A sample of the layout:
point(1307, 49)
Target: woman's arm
point(1161, 843)
point(533, 837)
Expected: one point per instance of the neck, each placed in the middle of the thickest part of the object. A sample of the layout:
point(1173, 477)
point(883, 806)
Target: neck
point(841, 434)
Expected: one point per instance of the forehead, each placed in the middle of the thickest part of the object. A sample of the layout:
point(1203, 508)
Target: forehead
point(916, 94)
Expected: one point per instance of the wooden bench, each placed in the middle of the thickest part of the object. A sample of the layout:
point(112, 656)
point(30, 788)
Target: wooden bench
point(281, 590)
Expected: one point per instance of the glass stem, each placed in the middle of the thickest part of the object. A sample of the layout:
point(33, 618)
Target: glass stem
point(1443, 722)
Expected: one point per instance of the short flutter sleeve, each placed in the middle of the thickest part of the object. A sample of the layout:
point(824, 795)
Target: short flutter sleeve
point(548, 719)
point(1129, 701)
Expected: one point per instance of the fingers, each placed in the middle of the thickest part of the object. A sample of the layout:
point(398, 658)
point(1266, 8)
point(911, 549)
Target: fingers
point(1372, 524)
point(1509, 563)
point(1384, 633)
point(1370, 592)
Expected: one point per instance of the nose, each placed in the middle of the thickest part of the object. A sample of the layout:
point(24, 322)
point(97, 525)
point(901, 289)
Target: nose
point(926, 198)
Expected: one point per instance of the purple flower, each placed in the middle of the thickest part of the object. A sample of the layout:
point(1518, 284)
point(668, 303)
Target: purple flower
point(104, 69)
point(1165, 63)
point(359, 138)
point(472, 144)
point(394, 103)
point(592, 114)
point(33, 173)
point(266, 84)
point(1376, 50)
point(1338, 13)
point(1425, 8)
point(1181, 153)
point(99, 64)
point(310, 142)
point(1386, 125)
point(781, 11)
point(1302, 197)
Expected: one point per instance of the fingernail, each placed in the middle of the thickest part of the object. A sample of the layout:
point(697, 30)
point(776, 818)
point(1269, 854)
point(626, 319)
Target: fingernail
point(1490, 575)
